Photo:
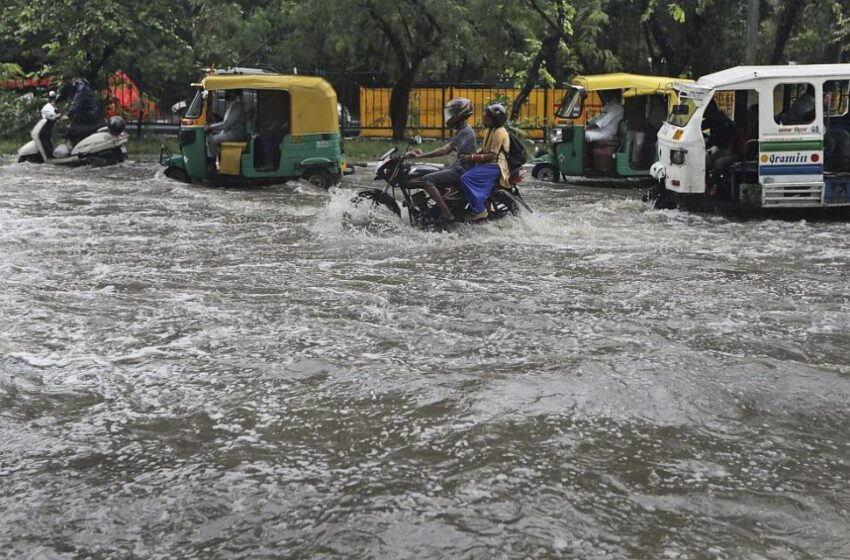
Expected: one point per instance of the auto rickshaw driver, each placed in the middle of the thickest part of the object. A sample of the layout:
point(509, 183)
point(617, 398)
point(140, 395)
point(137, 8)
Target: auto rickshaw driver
point(456, 113)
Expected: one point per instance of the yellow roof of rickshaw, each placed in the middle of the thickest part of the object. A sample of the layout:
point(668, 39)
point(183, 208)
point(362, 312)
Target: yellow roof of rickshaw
point(314, 104)
point(631, 84)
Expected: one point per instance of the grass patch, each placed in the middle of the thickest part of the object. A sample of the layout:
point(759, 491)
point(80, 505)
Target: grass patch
point(356, 149)
point(370, 149)
point(144, 147)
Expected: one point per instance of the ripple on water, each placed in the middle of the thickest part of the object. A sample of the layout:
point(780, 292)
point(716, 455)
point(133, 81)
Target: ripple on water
point(193, 372)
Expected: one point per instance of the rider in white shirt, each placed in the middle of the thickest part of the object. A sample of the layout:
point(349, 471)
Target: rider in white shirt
point(604, 125)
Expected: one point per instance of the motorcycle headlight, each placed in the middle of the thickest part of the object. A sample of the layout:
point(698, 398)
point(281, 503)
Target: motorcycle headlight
point(677, 157)
point(556, 135)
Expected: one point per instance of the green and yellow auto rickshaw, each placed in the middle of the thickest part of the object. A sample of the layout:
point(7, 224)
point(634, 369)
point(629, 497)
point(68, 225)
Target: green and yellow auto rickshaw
point(630, 152)
point(291, 132)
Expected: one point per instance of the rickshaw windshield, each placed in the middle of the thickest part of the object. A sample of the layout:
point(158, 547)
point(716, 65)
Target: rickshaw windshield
point(571, 106)
point(680, 115)
point(194, 110)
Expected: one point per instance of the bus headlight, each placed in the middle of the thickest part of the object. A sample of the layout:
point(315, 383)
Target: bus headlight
point(677, 157)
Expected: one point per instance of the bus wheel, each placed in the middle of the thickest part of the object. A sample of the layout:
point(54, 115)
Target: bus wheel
point(548, 174)
point(320, 178)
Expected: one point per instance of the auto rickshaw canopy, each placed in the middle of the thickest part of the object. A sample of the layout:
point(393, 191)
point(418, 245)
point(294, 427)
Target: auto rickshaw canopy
point(314, 104)
point(632, 85)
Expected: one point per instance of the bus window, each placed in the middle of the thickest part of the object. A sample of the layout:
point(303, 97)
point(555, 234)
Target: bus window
point(836, 97)
point(794, 103)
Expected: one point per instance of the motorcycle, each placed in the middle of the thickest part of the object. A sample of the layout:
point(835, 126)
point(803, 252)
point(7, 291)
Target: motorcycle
point(105, 145)
point(399, 174)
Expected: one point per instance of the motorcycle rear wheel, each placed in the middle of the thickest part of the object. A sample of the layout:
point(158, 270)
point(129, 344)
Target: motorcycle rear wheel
point(504, 204)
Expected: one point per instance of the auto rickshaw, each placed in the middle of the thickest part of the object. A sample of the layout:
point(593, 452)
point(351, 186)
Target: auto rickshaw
point(646, 101)
point(292, 132)
point(789, 154)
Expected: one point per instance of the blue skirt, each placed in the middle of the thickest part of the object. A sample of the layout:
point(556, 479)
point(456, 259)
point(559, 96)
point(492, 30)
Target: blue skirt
point(478, 182)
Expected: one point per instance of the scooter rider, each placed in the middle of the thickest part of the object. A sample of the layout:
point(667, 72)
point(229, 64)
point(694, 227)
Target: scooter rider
point(456, 113)
point(84, 111)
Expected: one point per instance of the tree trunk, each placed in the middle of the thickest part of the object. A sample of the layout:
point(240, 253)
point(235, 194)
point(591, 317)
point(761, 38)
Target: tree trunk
point(787, 19)
point(548, 52)
point(96, 65)
point(400, 102)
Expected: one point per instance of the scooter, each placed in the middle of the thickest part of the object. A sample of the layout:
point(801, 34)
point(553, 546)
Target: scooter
point(105, 146)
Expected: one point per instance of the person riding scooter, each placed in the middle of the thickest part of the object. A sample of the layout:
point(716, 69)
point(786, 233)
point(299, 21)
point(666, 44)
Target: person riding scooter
point(84, 111)
point(491, 162)
point(456, 113)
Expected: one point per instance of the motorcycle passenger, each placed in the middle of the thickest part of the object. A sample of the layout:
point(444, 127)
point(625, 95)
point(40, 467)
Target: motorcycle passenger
point(722, 132)
point(456, 113)
point(84, 111)
point(491, 162)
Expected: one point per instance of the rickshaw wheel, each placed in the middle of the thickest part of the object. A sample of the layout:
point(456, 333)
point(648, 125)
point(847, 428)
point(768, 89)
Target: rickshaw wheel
point(319, 178)
point(548, 174)
point(177, 174)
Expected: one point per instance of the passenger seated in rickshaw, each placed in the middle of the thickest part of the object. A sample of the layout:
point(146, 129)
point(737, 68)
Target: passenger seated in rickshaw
point(721, 134)
point(456, 113)
point(802, 111)
point(269, 136)
point(836, 140)
point(491, 162)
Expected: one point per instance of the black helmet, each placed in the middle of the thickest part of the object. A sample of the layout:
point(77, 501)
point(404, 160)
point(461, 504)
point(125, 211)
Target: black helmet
point(497, 112)
point(116, 125)
point(456, 111)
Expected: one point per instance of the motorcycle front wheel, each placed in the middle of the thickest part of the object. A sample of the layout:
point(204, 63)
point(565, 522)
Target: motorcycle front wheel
point(378, 198)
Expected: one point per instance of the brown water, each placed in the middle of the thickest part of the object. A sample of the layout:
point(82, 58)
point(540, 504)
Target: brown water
point(203, 373)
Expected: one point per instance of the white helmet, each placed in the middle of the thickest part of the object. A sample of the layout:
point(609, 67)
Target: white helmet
point(50, 113)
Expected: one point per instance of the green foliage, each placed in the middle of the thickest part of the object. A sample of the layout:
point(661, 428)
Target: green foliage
point(18, 113)
point(165, 44)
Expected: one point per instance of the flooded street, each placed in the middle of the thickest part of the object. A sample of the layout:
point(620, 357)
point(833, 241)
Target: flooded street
point(189, 372)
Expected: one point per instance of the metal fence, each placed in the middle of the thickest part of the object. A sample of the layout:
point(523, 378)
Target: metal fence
point(425, 116)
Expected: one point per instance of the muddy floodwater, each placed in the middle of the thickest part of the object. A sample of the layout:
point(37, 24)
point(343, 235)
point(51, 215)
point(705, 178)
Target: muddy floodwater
point(189, 372)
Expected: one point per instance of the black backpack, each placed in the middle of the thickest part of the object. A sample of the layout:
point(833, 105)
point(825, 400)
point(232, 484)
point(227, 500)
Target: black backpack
point(518, 155)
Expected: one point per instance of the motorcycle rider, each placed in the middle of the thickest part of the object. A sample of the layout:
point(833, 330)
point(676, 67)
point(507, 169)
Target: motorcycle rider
point(456, 113)
point(491, 162)
point(84, 111)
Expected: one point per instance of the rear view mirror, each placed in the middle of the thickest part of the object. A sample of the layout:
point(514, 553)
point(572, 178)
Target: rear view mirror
point(416, 140)
point(681, 109)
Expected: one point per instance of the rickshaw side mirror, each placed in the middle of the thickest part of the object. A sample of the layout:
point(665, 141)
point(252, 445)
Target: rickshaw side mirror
point(681, 109)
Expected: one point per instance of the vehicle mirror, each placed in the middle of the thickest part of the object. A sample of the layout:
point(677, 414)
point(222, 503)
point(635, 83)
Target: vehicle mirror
point(417, 140)
point(681, 109)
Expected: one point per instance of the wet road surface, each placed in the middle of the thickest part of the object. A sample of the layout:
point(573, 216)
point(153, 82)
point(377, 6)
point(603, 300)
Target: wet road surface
point(204, 373)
